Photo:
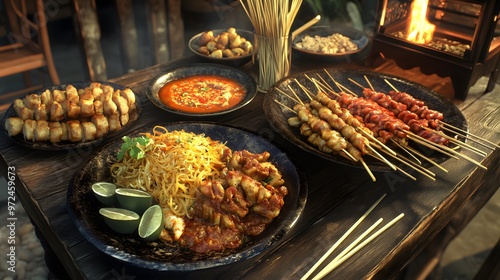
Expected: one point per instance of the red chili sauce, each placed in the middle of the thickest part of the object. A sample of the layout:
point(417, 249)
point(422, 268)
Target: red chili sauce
point(202, 94)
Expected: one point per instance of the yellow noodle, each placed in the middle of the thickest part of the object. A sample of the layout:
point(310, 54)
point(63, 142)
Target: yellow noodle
point(175, 164)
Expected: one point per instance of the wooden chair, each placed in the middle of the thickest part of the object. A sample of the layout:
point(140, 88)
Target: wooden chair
point(29, 46)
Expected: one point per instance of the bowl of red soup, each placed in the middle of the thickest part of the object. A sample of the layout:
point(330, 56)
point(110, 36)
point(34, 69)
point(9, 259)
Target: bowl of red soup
point(202, 89)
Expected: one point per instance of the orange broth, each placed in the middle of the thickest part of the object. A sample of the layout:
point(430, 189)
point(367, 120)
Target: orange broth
point(202, 94)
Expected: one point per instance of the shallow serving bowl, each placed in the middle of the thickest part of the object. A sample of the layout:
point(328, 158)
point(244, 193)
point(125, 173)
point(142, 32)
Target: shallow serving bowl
point(234, 61)
point(197, 69)
point(356, 36)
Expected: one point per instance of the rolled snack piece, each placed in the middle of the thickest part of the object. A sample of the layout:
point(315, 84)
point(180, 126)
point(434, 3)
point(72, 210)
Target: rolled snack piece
point(101, 124)
point(29, 130)
point(55, 131)
point(89, 131)
point(114, 122)
point(41, 112)
point(56, 112)
point(14, 126)
point(74, 131)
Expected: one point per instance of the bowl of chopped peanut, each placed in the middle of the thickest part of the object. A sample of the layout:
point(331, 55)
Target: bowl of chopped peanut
point(330, 42)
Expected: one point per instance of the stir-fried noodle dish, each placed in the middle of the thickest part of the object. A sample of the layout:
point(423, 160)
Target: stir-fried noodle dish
point(212, 198)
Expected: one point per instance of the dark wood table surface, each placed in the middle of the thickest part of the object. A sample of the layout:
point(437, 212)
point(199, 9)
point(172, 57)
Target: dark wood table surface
point(337, 196)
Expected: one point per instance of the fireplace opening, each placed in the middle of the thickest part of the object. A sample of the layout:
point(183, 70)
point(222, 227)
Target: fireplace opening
point(459, 39)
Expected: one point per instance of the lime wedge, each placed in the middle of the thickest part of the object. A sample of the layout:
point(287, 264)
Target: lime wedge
point(105, 192)
point(151, 223)
point(120, 220)
point(134, 199)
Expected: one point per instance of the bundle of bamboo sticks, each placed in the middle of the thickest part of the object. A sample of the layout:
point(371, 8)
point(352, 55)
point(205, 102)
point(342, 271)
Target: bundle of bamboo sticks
point(272, 21)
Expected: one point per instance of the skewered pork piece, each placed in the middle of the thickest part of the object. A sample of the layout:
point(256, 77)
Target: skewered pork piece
point(418, 107)
point(375, 117)
point(416, 124)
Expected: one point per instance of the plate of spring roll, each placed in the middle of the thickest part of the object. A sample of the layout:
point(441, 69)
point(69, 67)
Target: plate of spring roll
point(70, 116)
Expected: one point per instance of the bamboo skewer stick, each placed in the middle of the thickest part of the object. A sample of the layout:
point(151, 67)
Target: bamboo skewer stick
point(417, 168)
point(465, 136)
point(470, 134)
point(406, 150)
point(453, 152)
point(459, 143)
point(342, 238)
point(427, 159)
point(330, 267)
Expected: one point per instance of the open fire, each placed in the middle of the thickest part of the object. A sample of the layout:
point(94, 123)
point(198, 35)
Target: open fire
point(420, 30)
point(459, 39)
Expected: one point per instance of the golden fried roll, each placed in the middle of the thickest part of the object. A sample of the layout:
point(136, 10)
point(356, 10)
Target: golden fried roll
point(74, 131)
point(59, 95)
point(55, 132)
point(107, 89)
point(108, 105)
point(120, 102)
point(29, 130)
point(27, 114)
point(72, 94)
point(89, 131)
point(42, 130)
point(114, 122)
point(56, 112)
point(129, 95)
point(101, 124)
point(14, 126)
point(98, 107)
point(95, 85)
point(32, 100)
point(41, 112)
point(72, 110)
point(22, 111)
point(124, 118)
point(87, 95)
point(46, 98)
point(96, 93)
point(86, 108)
point(64, 131)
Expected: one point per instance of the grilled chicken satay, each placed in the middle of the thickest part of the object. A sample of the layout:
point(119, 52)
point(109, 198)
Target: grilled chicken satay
point(333, 138)
point(337, 123)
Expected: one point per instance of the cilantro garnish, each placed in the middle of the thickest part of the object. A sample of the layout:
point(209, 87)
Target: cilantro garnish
point(136, 147)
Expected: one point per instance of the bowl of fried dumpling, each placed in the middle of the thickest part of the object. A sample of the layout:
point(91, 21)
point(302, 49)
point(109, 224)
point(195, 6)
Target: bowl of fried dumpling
point(231, 46)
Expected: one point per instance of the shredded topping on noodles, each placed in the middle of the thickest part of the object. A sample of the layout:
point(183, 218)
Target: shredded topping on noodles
point(174, 165)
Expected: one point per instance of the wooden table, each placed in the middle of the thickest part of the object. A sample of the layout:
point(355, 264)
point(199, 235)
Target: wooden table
point(338, 196)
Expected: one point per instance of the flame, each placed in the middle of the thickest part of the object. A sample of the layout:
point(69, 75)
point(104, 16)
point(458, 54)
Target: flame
point(420, 30)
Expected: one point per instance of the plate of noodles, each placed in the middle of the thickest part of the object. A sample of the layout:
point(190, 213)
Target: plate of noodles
point(264, 194)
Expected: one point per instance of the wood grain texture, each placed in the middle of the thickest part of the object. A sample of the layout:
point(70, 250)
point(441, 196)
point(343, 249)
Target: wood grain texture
point(338, 196)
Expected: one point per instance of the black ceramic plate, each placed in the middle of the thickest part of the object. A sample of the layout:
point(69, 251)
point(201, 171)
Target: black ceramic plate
point(66, 145)
point(202, 69)
point(277, 115)
point(233, 61)
point(356, 36)
point(83, 207)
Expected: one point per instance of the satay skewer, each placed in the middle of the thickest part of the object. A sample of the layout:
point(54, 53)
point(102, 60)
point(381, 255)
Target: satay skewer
point(460, 143)
point(465, 134)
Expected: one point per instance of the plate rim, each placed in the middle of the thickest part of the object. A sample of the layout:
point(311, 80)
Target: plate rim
point(250, 252)
point(250, 95)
